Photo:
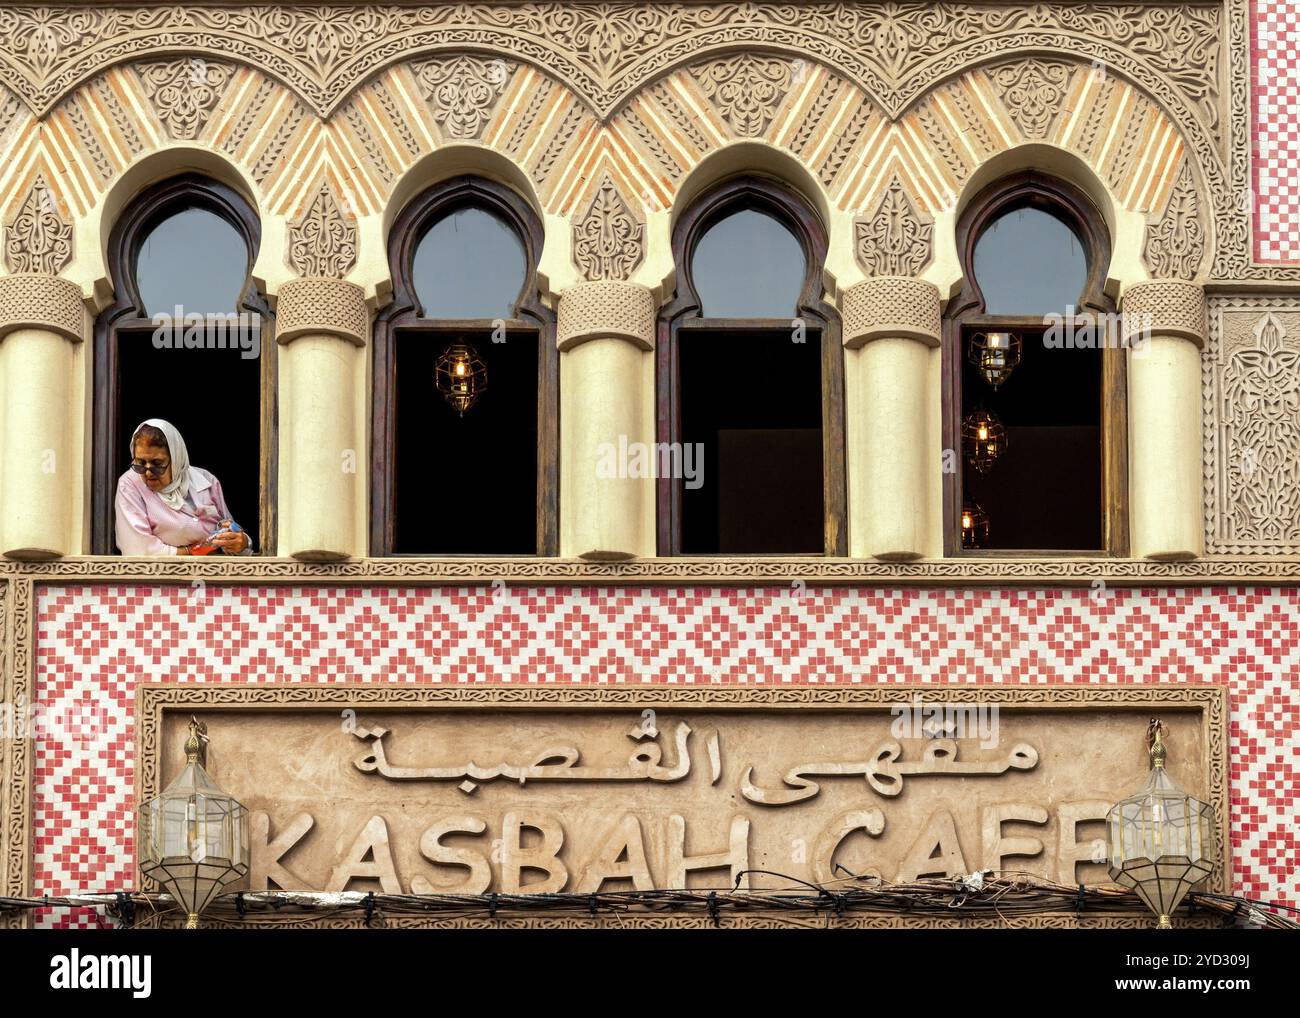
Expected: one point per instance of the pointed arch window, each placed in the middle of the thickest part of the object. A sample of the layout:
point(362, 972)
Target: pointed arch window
point(188, 340)
point(750, 381)
point(473, 472)
point(1035, 379)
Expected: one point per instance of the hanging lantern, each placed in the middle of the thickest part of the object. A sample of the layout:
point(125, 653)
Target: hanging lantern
point(996, 354)
point(193, 836)
point(983, 439)
point(461, 376)
point(1161, 838)
point(974, 525)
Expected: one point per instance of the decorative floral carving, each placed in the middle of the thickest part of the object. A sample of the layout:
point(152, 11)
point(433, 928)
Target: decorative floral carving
point(1252, 424)
point(184, 92)
point(895, 52)
point(322, 242)
point(462, 91)
point(38, 239)
point(607, 240)
point(1175, 242)
point(1261, 392)
point(895, 238)
point(1032, 91)
point(746, 89)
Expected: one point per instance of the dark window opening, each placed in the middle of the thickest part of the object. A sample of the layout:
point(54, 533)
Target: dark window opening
point(1044, 490)
point(482, 477)
point(751, 404)
point(750, 381)
point(163, 383)
point(466, 484)
point(188, 242)
point(1039, 426)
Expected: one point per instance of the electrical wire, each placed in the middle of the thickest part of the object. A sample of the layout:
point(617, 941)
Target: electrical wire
point(1003, 897)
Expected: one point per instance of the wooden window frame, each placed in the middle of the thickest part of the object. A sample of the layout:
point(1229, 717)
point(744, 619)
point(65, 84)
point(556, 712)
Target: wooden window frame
point(1034, 189)
point(127, 312)
point(405, 313)
point(776, 199)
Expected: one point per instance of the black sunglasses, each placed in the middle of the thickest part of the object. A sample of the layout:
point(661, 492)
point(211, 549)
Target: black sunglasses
point(154, 468)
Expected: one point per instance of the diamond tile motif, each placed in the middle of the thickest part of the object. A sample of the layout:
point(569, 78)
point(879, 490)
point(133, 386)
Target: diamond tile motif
point(96, 644)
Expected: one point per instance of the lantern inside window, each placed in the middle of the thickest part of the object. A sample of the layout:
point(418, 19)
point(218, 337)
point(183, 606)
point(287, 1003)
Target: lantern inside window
point(996, 354)
point(974, 525)
point(983, 439)
point(461, 376)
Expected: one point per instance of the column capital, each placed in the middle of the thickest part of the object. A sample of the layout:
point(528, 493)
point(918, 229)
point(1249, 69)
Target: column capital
point(314, 306)
point(1167, 307)
point(37, 301)
point(891, 307)
point(606, 309)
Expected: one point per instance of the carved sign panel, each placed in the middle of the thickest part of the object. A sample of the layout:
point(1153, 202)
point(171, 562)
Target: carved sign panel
point(580, 790)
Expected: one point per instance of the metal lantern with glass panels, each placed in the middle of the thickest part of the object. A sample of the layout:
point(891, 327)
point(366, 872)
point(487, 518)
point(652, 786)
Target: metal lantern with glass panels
point(461, 376)
point(193, 836)
point(974, 525)
point(983, 439)
point(996, 354)
point(1161, 838)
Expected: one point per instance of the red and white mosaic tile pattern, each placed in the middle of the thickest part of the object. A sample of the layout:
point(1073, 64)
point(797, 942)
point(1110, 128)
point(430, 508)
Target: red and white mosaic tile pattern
point(96, 644)
point(1275, 127)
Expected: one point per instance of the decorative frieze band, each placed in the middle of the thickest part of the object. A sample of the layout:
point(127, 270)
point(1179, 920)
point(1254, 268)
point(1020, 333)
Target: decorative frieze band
point(30, 301)
point(891, 307)
point(1166, 307)
point(310, 307)
point(606, 310)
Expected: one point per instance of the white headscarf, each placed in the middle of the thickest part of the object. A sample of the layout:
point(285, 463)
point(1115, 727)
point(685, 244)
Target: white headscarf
point(174, 493)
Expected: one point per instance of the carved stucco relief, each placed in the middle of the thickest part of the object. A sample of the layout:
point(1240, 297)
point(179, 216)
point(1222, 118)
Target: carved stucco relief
point(1033, 91)
point(1175, 241)
point(184, 92)
point(1251, 389)
point(893, 54)
point(608, 238)
point(894, 239)
point(746, 90)
point(462, 90)
point(322, 241)
point(38, 239)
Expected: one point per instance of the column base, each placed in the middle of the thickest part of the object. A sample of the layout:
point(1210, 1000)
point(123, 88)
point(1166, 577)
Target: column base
point(32, 554)
point(320, 555)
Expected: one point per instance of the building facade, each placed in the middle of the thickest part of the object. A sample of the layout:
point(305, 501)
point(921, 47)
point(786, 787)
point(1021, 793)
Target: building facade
point(371, 159)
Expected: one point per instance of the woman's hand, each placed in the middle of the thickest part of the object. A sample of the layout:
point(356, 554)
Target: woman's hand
point(231, 542)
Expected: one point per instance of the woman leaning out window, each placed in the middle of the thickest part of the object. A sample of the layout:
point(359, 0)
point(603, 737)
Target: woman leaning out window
point(167, 507)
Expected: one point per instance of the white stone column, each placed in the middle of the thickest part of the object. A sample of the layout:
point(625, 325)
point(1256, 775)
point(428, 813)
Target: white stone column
point(42, 324)
point(606, 338)
point(1164, 426)
point(891, 332)
point(321, 326)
